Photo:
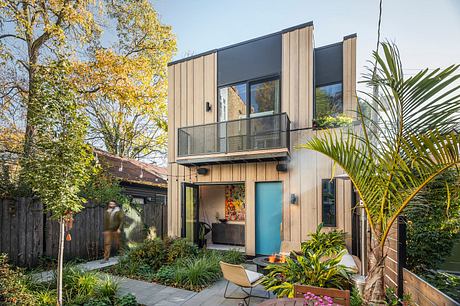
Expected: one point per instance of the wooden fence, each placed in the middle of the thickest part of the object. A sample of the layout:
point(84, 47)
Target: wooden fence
point(27, 233)
point(424, 294)
point(405, 281)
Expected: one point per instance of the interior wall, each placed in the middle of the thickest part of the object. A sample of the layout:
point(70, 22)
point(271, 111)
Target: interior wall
point(212, 201)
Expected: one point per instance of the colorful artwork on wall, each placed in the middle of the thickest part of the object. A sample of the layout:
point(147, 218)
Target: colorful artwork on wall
point(235, 208)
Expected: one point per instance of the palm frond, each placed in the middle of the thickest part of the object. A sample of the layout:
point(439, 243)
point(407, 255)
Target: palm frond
point(412, 140)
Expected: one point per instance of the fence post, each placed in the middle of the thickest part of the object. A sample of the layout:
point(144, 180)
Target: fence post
point(402, 236)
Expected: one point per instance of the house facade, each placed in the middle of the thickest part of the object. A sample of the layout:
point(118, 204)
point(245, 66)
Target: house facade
point(236, 118)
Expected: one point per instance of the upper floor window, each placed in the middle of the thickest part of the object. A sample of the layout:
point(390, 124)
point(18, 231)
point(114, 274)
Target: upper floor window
point(328, 202)
point(249, 99)
point(328, 100)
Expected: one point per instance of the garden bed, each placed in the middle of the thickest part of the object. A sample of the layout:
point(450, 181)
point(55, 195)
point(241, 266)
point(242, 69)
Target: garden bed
point(175, 263)
point(80, 288)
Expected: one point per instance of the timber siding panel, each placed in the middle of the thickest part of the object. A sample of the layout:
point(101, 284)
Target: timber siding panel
point(195, 83)
point(349, 77)
point(297, 77)
point(171, 122)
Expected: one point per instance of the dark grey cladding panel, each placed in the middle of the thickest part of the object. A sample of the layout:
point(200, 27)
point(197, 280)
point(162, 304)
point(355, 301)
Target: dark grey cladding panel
point(329, 64)
point(249, 60)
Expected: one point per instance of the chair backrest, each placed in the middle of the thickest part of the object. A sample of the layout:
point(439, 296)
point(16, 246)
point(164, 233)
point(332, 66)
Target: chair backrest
point(288, 246)
point(341, 297)
point(235, 274)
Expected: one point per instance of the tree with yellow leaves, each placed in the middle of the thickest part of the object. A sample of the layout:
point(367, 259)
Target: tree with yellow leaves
point(126, 68)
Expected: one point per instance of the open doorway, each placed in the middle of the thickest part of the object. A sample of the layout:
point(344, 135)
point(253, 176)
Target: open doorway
point(215, 215)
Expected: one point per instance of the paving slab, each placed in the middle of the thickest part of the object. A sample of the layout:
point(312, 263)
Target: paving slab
point(47, 276)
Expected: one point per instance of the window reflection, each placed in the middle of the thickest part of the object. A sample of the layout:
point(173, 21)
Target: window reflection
point(328, 202)
point(329, 100)
point(232, 102)
point(265, 98)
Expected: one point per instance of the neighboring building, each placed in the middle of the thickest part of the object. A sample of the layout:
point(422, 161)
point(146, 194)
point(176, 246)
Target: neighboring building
point(236, 115)
point(146, 184)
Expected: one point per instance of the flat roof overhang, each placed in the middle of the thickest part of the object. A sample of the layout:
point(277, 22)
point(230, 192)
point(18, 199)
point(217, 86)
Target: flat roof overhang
point(235, 157)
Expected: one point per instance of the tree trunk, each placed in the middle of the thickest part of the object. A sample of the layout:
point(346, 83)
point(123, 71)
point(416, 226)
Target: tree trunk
point(60, 261)
point(374, 288)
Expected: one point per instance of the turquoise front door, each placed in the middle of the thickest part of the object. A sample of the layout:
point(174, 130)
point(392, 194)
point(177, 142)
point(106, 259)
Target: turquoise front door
point(269, 202)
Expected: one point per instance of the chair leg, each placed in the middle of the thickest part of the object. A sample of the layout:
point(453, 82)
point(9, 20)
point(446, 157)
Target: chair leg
point(249, 297)
point(225, 292)
point(234, 297)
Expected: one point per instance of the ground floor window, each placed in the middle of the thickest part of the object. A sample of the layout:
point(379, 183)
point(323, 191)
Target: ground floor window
point(328, 203)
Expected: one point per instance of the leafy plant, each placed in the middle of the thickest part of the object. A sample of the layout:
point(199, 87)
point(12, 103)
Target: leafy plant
point(195, 274)
point(127, 300)
point(107, 289)
point(355, 297)
point(433, 223)
point(329, 121)
point(311, 268)
point(180, 248)
point(446, 282)
point(233, 257)
point(13, 287)
point(408, 140)
point(102, 188)
point(151, 252)
point(329, 243)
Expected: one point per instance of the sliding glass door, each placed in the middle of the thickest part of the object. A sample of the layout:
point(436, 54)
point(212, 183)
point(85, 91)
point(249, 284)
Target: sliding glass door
point(190, 212)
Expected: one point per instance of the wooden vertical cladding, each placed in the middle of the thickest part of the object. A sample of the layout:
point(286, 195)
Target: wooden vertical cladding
point(193, 84)
point(297, 76)
point(350, 99)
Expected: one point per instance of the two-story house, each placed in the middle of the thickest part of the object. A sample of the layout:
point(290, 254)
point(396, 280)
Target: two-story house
point(236, 116)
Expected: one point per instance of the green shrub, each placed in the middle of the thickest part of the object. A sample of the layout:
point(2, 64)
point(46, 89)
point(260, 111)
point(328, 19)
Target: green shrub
point(167, 275)
point(329, 121)
point(433, 223)
point(446, 282)
point(180, 248)
point(107, 288)
point(314, 269)
point(233, 257)
point(195, 274)
point(127, 300)
point(151, 252)
point(14, 285)
point(329, 243)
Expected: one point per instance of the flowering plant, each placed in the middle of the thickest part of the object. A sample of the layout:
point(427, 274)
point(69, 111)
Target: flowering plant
point(315, 300)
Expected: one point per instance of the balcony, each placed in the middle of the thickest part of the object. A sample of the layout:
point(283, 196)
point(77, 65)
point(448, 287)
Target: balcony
point(259, 138)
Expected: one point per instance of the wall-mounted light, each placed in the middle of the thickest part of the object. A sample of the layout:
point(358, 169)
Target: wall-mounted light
point(282, 167)
point(202, 171)
point(208, 106)
point(293, 198)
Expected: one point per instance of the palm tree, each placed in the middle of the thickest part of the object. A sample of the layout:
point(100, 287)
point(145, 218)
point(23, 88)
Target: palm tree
point(389, 160)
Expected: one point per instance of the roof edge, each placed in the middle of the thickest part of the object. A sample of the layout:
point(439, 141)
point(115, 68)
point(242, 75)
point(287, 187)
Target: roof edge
point(293, 28)
point(354, 35)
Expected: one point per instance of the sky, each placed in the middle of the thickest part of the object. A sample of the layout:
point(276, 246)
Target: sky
point(427, 32)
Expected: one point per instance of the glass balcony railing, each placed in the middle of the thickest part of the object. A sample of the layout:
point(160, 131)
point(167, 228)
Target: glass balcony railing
point(249, 134)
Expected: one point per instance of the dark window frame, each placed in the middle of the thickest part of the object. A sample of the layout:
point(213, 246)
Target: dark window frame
point(248, 84)
point(334, 182)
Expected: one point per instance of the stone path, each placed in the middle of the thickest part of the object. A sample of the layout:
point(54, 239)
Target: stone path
point(47, 276)
point(155, 294)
